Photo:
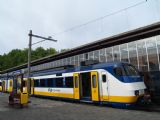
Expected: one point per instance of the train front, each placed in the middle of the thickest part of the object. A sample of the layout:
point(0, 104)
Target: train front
point(133, 84)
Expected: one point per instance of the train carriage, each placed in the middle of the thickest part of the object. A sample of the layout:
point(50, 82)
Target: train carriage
point(118, 84)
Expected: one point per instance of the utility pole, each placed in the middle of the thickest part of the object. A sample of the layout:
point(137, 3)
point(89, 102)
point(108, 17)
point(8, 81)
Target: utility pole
point(29, 53)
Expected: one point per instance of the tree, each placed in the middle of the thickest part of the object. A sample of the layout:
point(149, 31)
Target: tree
point(17, 57)
point(63, 50)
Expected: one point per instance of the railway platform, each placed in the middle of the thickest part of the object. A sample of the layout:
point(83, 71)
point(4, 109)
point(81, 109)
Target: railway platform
point(46, 109)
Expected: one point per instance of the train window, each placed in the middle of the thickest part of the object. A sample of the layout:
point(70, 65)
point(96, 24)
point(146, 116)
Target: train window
point(59, 74)
point(69, 82)
point(131, 70)
point(42, 83)
point(76, 81)
point(94, 81)
point(59, 82)
point(0, 83)
point(36, 83)
point(50, 82)
point(118, 71)
point(104, 78)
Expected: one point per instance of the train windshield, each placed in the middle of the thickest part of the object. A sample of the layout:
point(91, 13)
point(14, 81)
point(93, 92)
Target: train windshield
point(131, 70)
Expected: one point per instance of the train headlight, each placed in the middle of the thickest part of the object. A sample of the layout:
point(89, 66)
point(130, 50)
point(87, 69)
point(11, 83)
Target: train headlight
point(136, 92)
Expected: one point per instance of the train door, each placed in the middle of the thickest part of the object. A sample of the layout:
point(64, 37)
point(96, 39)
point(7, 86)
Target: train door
point(85, 86)
point(3, 86)
point(105, 86)
point(95, 86)
point(76, 86)
point(24, 85)
point(10, 86)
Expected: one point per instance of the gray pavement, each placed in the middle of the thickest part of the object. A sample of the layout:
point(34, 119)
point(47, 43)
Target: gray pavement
point(44, 109)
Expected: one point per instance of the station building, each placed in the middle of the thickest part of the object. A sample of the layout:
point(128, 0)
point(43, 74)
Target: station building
point(140, 47)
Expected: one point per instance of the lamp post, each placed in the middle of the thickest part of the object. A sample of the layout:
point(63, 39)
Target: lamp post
point(30, 49)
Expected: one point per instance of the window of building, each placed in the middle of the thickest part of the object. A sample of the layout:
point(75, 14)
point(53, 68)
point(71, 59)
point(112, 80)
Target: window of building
point(68, 61)
point(91, 55)
point(81, 57)
point(72, 61)
point(55, 63)
point(152, 54)
point(60, 62)
point(109, 54)
point(102, 55)
point(42, 83)
point(124, 52)
point(96, 55)
point(65, 61)
point(116, 53)
point(59, 82)
point(86, 56)
point(132, 47)
point(158, 46)
point(142, 56)
point(77, 60)
point(69, 82)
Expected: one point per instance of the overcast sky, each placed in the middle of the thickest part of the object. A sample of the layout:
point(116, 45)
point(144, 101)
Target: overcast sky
point(49, 17)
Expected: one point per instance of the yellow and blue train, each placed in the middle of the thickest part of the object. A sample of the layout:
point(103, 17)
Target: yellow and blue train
point(117, 84)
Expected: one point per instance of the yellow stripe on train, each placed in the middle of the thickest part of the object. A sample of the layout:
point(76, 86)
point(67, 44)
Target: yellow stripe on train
point(120, 99)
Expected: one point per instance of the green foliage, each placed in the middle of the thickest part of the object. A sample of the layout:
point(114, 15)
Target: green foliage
point(63, 50)
point(18, 57)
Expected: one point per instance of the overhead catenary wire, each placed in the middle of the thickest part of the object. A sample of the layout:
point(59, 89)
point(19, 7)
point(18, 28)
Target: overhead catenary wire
point(100, 18)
